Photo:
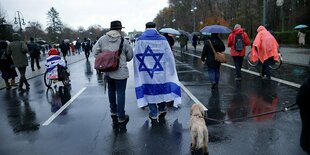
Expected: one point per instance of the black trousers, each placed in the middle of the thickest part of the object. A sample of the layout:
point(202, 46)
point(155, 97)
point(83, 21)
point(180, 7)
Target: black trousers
point(37, 59)
point(22, 80)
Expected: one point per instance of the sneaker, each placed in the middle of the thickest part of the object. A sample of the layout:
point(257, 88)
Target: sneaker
point(152, 118)
point(32, 69)
point(124, 120)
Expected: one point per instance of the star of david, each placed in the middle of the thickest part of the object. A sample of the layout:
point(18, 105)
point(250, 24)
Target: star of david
point(149, 53)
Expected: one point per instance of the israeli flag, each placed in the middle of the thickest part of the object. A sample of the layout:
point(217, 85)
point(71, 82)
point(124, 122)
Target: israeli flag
point(155, 72)
point(54, 60)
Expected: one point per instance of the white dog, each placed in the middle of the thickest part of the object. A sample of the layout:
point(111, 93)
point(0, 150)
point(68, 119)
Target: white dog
point(198, 129)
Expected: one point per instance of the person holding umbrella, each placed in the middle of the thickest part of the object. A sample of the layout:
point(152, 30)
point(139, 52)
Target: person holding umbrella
point(207, 57)
point(301, 37)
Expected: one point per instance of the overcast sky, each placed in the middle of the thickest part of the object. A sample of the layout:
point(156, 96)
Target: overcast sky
point(132, 13)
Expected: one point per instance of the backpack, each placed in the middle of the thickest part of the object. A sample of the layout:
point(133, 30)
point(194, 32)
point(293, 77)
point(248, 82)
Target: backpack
point(238, 42)
point(33, 49)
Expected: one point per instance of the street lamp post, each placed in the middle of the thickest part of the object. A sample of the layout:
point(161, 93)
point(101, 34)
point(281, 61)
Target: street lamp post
point(265, 10)
point(279, 3)
point(193, 10)
point(173, 20)
point(19, 19)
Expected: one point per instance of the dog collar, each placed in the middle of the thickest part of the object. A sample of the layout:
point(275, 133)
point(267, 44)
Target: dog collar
point(198, 116)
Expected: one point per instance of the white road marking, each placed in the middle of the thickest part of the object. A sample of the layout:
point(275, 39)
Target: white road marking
point(47, 122)
point(255, 73)
point(192, 96)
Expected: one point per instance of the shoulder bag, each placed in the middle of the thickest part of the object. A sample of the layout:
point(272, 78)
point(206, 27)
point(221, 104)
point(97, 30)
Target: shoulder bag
point(218, 56)
point(108, 61)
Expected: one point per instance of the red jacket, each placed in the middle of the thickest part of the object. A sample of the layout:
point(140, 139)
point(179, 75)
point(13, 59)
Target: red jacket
point(231, 42)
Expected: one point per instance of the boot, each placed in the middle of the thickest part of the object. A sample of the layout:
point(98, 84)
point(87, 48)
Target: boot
point(13, 83)
point(7, 84)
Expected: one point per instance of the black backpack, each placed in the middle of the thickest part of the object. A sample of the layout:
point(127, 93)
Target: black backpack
point(238, 42)
point(33, 49)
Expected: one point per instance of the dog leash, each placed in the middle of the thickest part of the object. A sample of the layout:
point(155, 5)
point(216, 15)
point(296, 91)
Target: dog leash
point(285, 109)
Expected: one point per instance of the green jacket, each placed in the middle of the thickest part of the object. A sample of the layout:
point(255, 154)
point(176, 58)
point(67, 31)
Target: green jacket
point(18, 51)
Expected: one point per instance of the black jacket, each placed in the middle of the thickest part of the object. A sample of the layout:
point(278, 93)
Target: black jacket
point(207, 53)
point(302, 101)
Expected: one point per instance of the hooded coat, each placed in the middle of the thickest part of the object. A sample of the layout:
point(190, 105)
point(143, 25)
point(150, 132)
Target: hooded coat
point(264, 46)
point(18, 50)
point(110, 42)
point(231, 42)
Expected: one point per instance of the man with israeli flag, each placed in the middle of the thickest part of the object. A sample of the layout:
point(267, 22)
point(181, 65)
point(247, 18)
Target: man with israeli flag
point(155, 73)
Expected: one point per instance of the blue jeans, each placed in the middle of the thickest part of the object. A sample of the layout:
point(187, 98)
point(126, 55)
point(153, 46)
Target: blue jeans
point(117, 88)
point(214, 75)
point(153, 108)
point(238, 65)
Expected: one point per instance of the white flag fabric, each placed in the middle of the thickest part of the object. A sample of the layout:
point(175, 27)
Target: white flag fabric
point(51, 65)
point(155, 71)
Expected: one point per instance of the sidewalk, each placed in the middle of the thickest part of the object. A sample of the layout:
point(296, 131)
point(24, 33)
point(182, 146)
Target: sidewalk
point(291, 55)
point(31, 74)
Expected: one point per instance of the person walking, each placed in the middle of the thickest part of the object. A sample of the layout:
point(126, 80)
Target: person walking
point(7, 67)
point(169, 39)
point(195, 41)
point(64, 49)
point(34, 52)
point(72, 48)
point(156, 78)
point(116, 80)
point(183, 42)
point(301, 37)
point(78, 46)
point(265, 49)
point(207, 57)
point(237, 41)
point(86, 47)
point(18, 50)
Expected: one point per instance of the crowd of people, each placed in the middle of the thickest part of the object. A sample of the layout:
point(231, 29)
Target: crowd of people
point(156, 80)
point(16, 54)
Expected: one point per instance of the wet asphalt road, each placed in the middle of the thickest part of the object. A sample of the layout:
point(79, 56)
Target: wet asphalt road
point(84, 127)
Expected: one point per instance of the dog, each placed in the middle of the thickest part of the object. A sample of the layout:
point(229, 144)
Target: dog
point(198, 130)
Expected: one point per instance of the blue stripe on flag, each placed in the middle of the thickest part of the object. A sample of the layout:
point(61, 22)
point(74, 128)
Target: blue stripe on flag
point(53, 59)
point(158, 89)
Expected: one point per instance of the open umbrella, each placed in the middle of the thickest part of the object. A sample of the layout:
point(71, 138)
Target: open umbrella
point(196, 33)
point(184, 32)
point(300, 26)
point(215, 29)
point(169, 30)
